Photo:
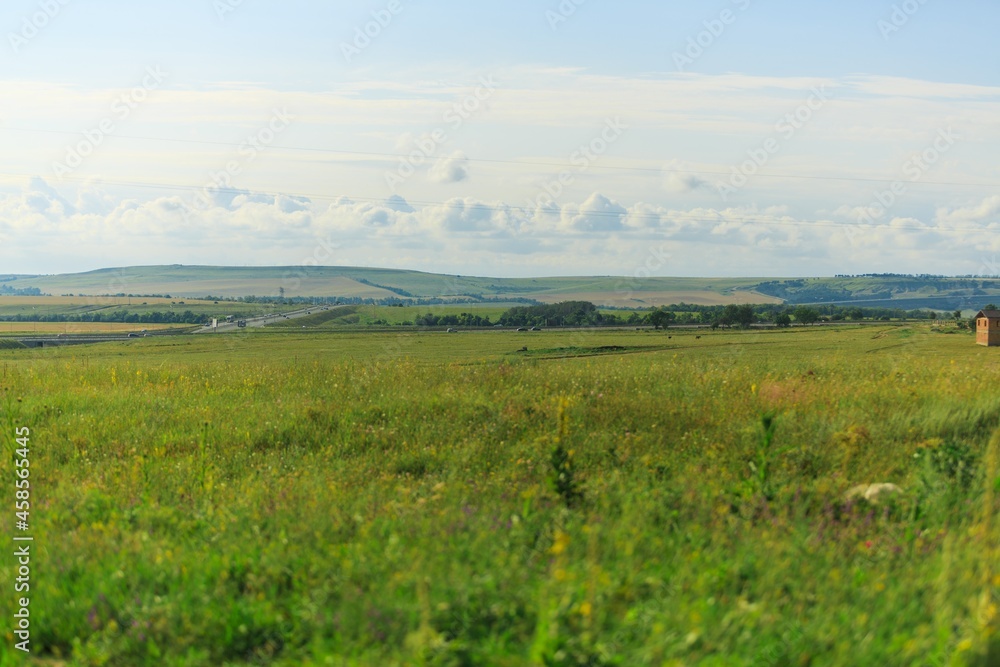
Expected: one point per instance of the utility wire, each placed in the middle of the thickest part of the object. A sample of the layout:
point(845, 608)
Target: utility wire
point(556, 210)
point(400, 156)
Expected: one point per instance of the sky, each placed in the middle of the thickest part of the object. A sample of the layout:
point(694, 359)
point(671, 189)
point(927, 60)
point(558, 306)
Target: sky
point(516, 138)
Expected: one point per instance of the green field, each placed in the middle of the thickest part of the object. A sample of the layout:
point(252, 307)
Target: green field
point(941, 293)
point(339, 316)
point(38, 307)
point(339, 281)
point(502, 498)
point(20, 313)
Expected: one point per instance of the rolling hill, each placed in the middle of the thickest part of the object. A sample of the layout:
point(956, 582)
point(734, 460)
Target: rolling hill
point(181, 281)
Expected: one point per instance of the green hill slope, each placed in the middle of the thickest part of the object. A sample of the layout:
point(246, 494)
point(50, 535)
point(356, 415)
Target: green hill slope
point(189, 282)
point(333, 281)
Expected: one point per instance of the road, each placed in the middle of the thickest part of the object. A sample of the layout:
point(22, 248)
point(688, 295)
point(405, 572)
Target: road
point(256, 322)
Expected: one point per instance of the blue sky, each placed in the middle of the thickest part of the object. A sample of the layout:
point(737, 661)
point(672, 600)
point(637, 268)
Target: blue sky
point(515, 138)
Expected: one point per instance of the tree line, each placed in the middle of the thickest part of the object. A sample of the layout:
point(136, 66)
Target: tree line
point(118, 316)
point(582, 313)
point(7, 290)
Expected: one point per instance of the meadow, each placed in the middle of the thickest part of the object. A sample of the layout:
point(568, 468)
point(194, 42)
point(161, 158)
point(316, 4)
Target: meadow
point(501, 498)
point(191, 282)
point(82, 327)
point(195, 281)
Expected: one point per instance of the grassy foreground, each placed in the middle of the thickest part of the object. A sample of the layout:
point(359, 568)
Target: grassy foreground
point(606, 498)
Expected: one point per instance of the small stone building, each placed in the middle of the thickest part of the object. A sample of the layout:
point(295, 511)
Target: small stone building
point(988, 328)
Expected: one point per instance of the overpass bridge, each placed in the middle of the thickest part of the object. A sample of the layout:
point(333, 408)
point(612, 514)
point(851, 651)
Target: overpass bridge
point(59, 340)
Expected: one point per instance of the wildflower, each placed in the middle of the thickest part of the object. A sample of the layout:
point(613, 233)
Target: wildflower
point(560, 543)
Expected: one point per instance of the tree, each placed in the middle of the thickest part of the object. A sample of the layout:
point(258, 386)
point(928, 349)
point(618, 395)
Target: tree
point(660, 318)
point(745, 315)
point(806, 315)
point(742, 315)
point(566, 313)
point(783, 320)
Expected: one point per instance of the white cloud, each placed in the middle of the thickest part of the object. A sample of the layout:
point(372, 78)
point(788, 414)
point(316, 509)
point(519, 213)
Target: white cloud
point(681, 178)
point(596, 214)
point(451, 169)
point(396, 203)
point(988, 210)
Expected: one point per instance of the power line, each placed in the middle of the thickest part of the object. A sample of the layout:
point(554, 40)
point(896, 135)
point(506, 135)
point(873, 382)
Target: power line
point(561, 165)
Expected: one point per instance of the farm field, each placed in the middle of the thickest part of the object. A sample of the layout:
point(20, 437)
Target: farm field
point(344, 281)
point(40, 306)
point(510, 498)
point(81, 327)
point(34, 301)
point(635, 299)
point(339, 316)
point(32, 306)
point(8, 302)
point(190, 282)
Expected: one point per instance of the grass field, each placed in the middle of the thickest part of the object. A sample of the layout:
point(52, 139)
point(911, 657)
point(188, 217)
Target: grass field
point(339, 316)
point(332, 281)
point(188, 282)
point(81, 327)
point(121, 301)
point(503, 498)
point(27, 307)
point(650, 298)
point(180, 280)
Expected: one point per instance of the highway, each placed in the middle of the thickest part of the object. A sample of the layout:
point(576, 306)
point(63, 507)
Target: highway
point(261, 321)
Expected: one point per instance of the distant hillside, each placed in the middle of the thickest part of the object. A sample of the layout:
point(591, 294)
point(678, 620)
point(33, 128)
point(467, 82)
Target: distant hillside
point(908, 292)
point(373, 283)
point(179, 281)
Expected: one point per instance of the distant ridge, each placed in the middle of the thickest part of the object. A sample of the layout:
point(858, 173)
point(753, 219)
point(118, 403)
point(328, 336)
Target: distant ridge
point(186, 281)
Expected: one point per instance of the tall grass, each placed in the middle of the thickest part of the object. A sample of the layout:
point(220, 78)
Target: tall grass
point(261, 505)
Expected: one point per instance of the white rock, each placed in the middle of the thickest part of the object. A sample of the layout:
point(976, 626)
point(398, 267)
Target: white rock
point(873, 493)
